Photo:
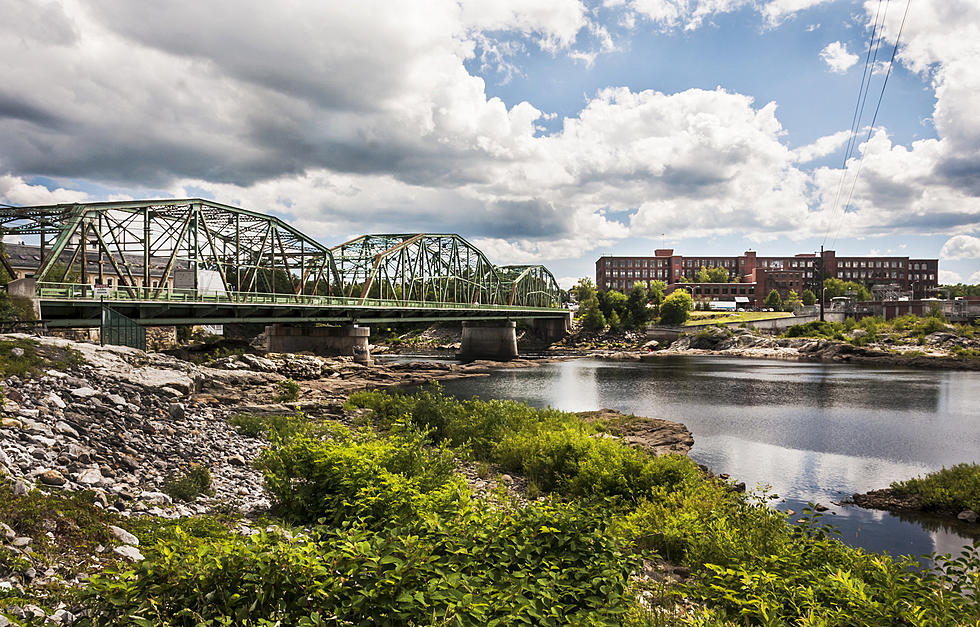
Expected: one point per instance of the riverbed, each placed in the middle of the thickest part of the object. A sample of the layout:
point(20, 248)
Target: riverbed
point(812, 432)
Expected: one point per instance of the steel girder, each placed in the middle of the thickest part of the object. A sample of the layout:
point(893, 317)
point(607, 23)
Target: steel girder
point(441, 267)
point(146, 242)
point(530, 286)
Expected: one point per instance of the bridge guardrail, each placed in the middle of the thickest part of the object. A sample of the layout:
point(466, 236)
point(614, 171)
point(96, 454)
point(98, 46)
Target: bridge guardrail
point(77, 291)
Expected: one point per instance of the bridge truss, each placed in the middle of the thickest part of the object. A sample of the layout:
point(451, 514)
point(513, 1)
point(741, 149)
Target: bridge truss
point(417, 267)
point(186, 261)
point(146, 246)
point(531, 285)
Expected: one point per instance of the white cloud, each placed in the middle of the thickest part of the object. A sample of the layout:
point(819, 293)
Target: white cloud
point(837, 58)
point(948, 277)
point(822, 147)
point(15, 191)
point(974, 278)
point(961, 247)
point(691, 14)
point(777, 11)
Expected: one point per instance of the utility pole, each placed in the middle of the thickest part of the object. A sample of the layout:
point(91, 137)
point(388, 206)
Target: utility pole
point(821, 282)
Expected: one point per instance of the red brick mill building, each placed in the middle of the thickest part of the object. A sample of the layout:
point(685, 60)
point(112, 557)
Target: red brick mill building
point(753, 277)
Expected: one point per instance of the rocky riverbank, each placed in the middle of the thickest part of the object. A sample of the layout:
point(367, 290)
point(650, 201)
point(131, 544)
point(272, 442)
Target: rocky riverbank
point(118, 427)
point(935, 353)
point(889, 500)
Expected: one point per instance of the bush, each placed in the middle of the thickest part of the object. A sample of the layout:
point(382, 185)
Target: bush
point(276, 427)
point(818, 329)
point(288, 391)
point(350, 476)
point(951, 489)
point(545, 564)
point(676, 307)
point(195, 481)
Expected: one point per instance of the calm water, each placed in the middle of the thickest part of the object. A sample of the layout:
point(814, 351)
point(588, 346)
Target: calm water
point(813, 432)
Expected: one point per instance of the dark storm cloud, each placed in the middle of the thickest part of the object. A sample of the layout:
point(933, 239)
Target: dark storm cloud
point(13, 106)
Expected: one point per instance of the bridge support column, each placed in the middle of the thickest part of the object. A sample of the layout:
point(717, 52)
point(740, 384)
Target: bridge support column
point(492, 339)
point(552, 329)
point(348, 340)
point(26, 288)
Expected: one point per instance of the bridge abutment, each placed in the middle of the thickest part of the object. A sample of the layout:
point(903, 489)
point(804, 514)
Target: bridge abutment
point(552, 329)
point(348, 340)
point(491, 339)
point(26, 288)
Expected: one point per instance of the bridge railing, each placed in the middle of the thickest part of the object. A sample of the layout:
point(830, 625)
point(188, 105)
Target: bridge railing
point(80, 292)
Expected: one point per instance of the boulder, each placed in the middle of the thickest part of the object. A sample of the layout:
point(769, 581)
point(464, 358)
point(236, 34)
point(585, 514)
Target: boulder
point(124, 536)
point(52, 478)
point(129, 552)
point(967, 515)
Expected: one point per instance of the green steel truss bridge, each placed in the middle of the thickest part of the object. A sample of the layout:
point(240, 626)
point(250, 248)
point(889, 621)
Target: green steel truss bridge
point(195, 261)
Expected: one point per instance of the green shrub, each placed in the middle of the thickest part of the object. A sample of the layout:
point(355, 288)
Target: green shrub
point(194, 482)
point(952, 489)
point(546, 564)
point(288, 391)
point(275, 427)
point(819, 329)
point(350, 476)
point(931, 324)
point(676, 307)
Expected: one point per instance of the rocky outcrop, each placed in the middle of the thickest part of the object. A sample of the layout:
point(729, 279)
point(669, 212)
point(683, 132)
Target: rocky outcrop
point(655, 435)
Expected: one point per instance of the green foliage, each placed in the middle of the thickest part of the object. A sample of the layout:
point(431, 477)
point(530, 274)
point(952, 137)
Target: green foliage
point(676, 307)
point(614, 322)
point(359, 476)
point(773, 301)
point(21, 357)
point(275, 427)
point(711, 275)
point(818, 329)
point(15, 308)
point(962, 290)
point(951, 489)
point(545, 564)
point(834, 288)
point(194, 482)
point(288, 391)
point(808, 298)
point(589, 310)
point(656, 293)
point(636, 307)
point(612, 301)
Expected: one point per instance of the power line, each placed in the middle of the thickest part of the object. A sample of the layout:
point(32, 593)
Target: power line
point(881, 94)
point(873, 44)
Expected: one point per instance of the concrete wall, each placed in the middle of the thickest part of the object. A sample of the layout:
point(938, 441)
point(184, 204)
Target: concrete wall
point(552, 329)
point(492, 339)
point(781, 324)
point(26, 288)
point(326, 341)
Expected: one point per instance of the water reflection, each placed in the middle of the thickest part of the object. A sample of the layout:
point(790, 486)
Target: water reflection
point(814, 432)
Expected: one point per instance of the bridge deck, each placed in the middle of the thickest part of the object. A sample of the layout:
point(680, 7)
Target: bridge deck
point(73, 305)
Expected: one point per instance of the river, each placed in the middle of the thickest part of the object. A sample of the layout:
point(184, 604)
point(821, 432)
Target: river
point(813, 432)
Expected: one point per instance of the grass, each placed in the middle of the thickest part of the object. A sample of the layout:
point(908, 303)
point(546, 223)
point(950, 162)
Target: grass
point(951, 489)
point(194, 482)
point(699, 318)
point(22, 357)
point(274, 427)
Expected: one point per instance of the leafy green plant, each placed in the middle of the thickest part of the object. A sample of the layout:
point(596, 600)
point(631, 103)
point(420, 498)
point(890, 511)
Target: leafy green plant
point(288, 391)
point(952, 489)
point(194, 482)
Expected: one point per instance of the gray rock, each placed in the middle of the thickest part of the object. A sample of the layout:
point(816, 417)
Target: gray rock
point(8, 533)
point(968, 515)
point(236, 460)
point(53, 478)
point(116, 399)
point(56, 400)
point(89, 476)
point(177, 411)
point(65, 428)
point(83, 392)
point(124, 536)
point(17, 351)
point(20, 488)
point(129, 552)
point(20, 542)
point(156, 498)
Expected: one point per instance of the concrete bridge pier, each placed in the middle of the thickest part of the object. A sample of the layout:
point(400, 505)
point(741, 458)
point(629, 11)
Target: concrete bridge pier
point(490, 339)
point(350, 340)
point(26, 288)
point(552, 329)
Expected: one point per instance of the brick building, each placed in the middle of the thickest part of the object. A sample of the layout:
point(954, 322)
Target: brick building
point(754, 276)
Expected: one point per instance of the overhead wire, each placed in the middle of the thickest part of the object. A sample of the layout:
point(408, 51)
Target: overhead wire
point(881, 94)
point(870, 58)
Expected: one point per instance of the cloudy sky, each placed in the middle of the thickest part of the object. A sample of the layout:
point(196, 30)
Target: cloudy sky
point(550, 131)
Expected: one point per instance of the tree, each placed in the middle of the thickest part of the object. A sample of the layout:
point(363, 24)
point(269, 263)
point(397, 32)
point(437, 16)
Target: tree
point(676, 307)
point(614, 302)
point(792, 301)
point(703, 276)
point(808, 298)
point(773, 301)
point(717, 275)
point(614, 322)
point(636, 307)
point(588, 305)
point(834, 288)
point(656, 293)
